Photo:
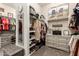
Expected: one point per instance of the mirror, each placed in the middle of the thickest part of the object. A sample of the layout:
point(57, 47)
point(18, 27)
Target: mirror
point(20, 24)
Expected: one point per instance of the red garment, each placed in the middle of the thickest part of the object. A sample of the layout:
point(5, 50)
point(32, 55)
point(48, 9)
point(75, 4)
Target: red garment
point(0, 24)
point(5, 23)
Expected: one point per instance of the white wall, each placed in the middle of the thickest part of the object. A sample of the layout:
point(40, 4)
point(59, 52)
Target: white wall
point(7, 10)
point(45, 9)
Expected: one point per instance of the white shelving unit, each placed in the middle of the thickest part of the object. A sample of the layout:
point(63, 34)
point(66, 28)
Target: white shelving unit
point(25, 35)
point(31, 40)
point(58, 41)
point(32, 44)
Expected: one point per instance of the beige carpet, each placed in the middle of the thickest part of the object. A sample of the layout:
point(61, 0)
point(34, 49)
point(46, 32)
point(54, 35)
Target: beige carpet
point(47, 51)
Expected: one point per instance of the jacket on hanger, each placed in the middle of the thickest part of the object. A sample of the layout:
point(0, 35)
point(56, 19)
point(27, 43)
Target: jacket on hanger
point(37, 27)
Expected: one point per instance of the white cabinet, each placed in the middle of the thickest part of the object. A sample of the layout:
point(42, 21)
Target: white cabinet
point(59, 42)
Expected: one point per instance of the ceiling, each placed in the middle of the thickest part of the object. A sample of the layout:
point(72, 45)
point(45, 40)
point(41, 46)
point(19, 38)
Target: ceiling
point(10, 4)
point(13, 4)
point(43, 4)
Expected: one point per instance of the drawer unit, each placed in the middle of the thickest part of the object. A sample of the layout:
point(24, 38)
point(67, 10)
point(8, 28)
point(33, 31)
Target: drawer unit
point(5, 41)
point(58, 46)
point(59, 42)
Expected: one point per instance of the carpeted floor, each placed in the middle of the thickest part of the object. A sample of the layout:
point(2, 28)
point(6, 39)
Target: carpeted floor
point(47, 51)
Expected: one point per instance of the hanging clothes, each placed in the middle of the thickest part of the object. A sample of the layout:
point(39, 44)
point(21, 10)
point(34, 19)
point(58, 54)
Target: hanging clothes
point(0, 24)
point(37, 27)
point(76, 12)
point(12, 26)
point(5, 23)
point(43, 32)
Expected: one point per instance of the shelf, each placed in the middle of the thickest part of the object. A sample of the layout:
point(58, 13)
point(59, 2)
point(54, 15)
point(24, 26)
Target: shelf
point(32, 45)
point(30, 42)
point(21, 44)
point(32, 38)
point(52, 18)
point(1, 24)
point(49, 34)
point(33, 17)
point(32, 31)
point(59, 19)
point(32, 52)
